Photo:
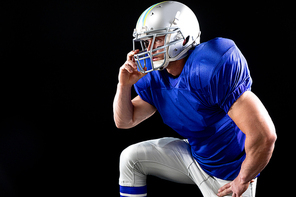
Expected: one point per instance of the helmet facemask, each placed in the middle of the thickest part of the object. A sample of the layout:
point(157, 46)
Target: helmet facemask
point(144, 58)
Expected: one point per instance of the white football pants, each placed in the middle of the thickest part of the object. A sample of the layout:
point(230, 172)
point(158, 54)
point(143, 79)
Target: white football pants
point(170, 159)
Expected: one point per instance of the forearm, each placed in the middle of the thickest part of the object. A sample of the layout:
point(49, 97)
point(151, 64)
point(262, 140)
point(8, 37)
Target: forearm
point(123, 107)
point(250, 115)
point(258, 153)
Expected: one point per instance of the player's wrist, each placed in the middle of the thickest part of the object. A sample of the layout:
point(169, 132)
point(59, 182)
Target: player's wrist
point(243, 179)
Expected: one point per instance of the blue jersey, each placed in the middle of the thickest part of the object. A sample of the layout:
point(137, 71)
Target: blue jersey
point(196, 103)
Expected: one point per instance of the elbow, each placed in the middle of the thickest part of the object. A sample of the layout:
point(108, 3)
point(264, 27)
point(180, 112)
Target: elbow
point(121, 125)
point(268, 144)
point(271, 138)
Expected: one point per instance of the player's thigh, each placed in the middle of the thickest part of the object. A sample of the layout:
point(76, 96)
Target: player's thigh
point(166, 158)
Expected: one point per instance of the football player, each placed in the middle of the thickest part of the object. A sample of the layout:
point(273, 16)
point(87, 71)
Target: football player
point(203, 92)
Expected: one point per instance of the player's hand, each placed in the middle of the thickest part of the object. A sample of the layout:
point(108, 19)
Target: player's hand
point(236, 188)
point(128, 73)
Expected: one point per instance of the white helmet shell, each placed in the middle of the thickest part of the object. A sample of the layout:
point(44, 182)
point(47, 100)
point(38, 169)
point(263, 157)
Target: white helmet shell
point(174, 20)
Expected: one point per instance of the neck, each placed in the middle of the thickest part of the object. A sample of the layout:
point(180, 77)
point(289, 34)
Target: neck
point(175, 68)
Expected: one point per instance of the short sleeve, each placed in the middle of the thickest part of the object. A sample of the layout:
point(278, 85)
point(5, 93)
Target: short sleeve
point(231, 79)
point(142, 87)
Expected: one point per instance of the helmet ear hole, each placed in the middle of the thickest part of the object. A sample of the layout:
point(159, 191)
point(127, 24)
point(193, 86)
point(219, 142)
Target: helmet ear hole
point(186, 40)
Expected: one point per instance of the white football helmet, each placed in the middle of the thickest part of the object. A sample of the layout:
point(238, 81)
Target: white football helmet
point(173, 20)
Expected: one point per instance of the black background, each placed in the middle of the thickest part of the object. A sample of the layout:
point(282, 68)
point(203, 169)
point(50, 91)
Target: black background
point(59, 63)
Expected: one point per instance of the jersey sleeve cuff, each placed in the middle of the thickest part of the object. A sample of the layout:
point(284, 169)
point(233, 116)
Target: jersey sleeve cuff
point(246, 86)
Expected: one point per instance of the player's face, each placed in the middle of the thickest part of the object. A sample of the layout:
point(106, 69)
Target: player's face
point(159, 41)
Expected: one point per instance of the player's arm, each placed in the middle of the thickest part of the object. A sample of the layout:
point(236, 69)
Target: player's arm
point(128, 113)
point(252, 118)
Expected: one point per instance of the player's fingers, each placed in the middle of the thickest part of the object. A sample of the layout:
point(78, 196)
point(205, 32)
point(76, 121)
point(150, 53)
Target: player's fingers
point(225, 192)
point(226, 189)
point(131, 54)
point(130, 66)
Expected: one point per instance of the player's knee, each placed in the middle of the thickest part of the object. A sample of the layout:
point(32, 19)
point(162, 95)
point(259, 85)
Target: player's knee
point(131, 171)
point(128, 157)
